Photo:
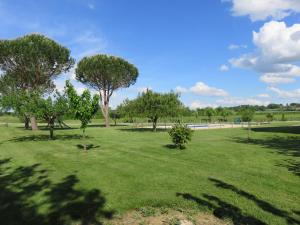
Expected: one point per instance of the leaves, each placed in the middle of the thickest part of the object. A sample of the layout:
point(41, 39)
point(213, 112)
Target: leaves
point(84, 106)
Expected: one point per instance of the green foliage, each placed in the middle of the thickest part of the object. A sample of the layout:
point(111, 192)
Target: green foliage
point(106, 74)
point(84, 107)
point(127, 109)
point(270, 117)
point(247, 114)
point(209, 112)
point(180, 135)
point(115, 115)
point(33, 61)
point(156, 105)
point(52, 109)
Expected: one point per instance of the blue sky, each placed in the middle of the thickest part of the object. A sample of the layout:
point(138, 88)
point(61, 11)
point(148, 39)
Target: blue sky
point(207, 50)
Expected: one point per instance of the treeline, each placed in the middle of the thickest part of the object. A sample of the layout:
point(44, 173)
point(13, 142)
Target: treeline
point(28, 67)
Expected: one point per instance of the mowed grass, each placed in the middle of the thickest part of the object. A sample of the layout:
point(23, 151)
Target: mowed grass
point(252, 181)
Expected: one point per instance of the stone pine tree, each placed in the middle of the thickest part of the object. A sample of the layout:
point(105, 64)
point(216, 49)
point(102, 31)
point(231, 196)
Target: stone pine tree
point(106, 74)
point(155, 105)
point(83, 106)
point(32, 62)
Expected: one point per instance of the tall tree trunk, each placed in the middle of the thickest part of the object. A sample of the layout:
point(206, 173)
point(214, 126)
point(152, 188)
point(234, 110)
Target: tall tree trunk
point(33, 122)
point(84, 144)
point(106, 115)
point(51, 128)
point(26, 122)
point(154, 123)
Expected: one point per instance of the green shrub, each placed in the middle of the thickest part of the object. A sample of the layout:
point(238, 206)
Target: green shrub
point(180, 135)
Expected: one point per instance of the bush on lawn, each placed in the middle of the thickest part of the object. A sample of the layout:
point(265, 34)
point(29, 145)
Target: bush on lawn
point(180, 135)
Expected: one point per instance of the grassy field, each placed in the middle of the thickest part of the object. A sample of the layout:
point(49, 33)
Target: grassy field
point(252, 181)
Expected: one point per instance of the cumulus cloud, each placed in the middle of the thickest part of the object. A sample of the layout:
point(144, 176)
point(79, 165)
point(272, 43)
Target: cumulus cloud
point(180, 89)
point(203, 89)
point(263, 95)
point(235, 46)
point(278, 47)
point(264, 9)
point(286, 94)
point(224, 68)
point(235, 101)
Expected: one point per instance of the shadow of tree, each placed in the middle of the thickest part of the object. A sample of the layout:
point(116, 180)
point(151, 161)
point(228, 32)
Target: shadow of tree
point(284, 145)
point(65, 203)
point(292, 166)
point(285, 129)
point(288, 146)
point(222, 209)
point(143, 130)
point(88, 147)
point(267, 207)
point(44, 137)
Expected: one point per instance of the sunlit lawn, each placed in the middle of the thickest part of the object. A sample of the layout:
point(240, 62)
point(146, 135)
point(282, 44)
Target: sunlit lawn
point(252, 181)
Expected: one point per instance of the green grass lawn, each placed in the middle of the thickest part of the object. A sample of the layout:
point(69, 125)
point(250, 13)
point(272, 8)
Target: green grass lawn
point(249, 182)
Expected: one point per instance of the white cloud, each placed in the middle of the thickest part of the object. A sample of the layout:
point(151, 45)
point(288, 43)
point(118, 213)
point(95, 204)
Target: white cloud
point(180, 89)
point(235, 46)
point(278, 47)
point(286, 94)
point(201, 88)
point(264, 9)
point(200, 105)
point(276, 79)
point(143, 89)
point(263, 95)
point(234, 101)
point(224, 68)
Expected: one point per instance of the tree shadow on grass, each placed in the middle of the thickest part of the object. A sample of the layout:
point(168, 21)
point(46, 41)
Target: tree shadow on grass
point(88, 146)
point(265, 206)
point(285, 129)
point(225, 210)
point(288, 146)
point(44, 137)
point(284, 145)
point(222, 209)
point(143, 130)
point(171, 146)
point(65, 204)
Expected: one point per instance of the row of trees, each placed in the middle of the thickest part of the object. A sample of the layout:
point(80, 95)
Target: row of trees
point(28, 66)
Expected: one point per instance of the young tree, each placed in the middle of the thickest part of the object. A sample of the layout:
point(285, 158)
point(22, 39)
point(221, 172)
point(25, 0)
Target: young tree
point(32, 62)
point(270, 117)
point(84, 106)
point(53, 109)
point(247, 115)
point(156, 105)
point(180, 135)
point(210, 112)
point(106, 74)
point(115, 115)
point(127, 109)
point(224, 112)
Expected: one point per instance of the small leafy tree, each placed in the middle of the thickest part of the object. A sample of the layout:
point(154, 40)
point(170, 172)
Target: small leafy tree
point(224, 112)
point(247, 115)
point(106, 74)
point(180, 135)
point(52, 109)
point(270, 117)
point(115, 115)
point(127, 109)
point(84, 107)
point(210, 112)
point(156, 105)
